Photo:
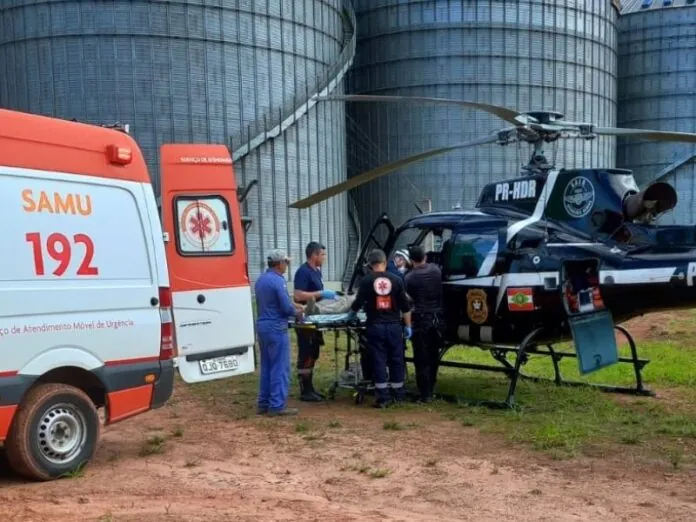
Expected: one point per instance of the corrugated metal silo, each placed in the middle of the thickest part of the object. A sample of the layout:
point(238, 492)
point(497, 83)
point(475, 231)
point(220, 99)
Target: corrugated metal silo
point(218, 71)
point(527, 55)
point(657, 81)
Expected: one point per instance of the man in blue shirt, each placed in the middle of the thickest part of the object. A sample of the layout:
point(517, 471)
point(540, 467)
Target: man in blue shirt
point(274, 308)
point(309, 285)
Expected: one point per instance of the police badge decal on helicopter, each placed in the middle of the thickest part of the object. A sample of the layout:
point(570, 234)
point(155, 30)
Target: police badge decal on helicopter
point(476, 308)
point(578, 197)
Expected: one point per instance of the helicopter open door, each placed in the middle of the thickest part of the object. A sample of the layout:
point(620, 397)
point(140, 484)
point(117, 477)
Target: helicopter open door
point(591, 323)
point(374, 240)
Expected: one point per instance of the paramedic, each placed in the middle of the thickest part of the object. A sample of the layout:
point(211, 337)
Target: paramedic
point(274, 308)
point(383, 296)
point(424, 286)
point(308, 284)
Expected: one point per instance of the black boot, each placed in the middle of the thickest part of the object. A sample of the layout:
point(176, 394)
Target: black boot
point(307, 392)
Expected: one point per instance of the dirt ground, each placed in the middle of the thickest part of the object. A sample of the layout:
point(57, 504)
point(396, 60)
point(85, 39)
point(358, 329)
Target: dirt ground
point(338, 462)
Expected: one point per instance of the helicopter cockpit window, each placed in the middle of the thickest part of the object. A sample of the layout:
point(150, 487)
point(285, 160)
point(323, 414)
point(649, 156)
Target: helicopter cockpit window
point(468, 252)
point(431, 239)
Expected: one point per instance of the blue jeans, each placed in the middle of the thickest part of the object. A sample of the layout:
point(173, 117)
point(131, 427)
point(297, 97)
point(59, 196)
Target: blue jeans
point(274, 346)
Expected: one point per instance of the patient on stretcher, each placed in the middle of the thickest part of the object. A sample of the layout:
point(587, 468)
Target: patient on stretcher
point(340, 305)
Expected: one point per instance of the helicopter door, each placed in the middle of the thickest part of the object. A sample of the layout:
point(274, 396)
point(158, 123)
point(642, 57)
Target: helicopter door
point(373, 241)
point(591, 323)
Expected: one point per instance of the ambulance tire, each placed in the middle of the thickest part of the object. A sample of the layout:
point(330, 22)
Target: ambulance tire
point(54, 407)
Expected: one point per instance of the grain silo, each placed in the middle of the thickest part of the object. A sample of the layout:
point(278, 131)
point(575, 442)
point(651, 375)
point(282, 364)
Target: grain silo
point(526, 55)
point(657, 81)
point(221, 71)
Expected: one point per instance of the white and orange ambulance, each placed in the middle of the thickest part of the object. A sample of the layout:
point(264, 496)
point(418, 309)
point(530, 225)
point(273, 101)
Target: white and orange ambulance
point(100, 299)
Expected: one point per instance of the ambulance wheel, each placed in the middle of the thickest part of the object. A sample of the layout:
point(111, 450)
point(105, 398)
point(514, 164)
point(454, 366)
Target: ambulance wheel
point(55, 432)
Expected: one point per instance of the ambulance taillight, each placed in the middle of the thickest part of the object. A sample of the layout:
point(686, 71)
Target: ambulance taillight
point(167, 345)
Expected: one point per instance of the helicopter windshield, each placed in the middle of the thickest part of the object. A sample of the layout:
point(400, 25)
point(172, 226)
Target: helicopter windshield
point(431, 239)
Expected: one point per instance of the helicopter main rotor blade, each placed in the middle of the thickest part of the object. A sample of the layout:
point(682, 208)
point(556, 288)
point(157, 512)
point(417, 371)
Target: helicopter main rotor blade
point(646, 133)
point(380, 171)
point(506, 114)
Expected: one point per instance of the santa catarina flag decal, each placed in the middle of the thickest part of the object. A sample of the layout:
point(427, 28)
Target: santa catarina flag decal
point(520, 299)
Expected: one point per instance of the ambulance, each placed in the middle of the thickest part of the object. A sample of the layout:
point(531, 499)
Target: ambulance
point(101, 299)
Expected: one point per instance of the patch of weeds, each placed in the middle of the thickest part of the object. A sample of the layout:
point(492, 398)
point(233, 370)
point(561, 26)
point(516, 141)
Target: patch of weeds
point(676, 457)
point(179, 432)
point(630, 439)
point(76, 473)
point(191, 463)
point(431, 463)
point(360, 467)
point(535, 491)
point(154, 445)
point(334, 424)
point(678, 426)
point(379, 472)
point(106, 517)
point(468, 422)
point(302, 427)
point(393, 426)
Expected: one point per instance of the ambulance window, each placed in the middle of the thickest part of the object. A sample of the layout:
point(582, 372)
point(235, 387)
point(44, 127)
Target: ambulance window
point(203, 226)
point(467, 253)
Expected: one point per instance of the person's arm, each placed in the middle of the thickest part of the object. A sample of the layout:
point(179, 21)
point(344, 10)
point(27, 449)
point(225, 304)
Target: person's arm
point(408, 288)
point(286, 305)
point(301, 295)
point(360, 297)
point(301, 283)
point(402, 303)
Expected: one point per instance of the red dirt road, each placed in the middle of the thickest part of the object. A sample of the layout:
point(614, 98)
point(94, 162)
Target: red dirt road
point(216, 467)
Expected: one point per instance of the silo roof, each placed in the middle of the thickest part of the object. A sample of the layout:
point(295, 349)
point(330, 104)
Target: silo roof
point(635, 6)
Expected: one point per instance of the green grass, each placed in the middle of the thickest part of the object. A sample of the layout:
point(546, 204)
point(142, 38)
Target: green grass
point(563, 422)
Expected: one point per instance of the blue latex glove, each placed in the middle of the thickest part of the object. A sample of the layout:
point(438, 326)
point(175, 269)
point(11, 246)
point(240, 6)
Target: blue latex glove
point(408, 332)
point(328, 294)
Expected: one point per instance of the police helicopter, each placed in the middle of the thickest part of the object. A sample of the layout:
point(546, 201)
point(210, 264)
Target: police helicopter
point(550, 256)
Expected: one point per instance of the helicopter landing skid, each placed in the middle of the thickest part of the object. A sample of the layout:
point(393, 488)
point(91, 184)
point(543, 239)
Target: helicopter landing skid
point(527, 348)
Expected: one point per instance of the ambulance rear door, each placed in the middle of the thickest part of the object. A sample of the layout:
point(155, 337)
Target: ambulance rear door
point(206, 254)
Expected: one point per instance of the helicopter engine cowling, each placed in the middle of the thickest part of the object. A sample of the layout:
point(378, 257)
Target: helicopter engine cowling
point(645, 205)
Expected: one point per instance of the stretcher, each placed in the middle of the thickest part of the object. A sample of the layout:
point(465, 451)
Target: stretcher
point(351, 376)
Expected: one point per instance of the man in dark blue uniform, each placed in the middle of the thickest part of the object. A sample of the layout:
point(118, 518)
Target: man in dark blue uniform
point(383, 296)
point(424, 287)
point(274, 308)
point(309, 285)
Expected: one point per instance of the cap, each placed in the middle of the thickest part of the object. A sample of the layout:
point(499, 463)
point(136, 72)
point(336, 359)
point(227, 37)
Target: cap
point(277, 255)
point(403, 253)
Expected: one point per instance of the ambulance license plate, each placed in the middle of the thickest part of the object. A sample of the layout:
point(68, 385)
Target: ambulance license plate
point(219, 364)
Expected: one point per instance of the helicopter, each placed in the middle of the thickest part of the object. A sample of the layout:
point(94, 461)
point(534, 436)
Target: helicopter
point(549, 256)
